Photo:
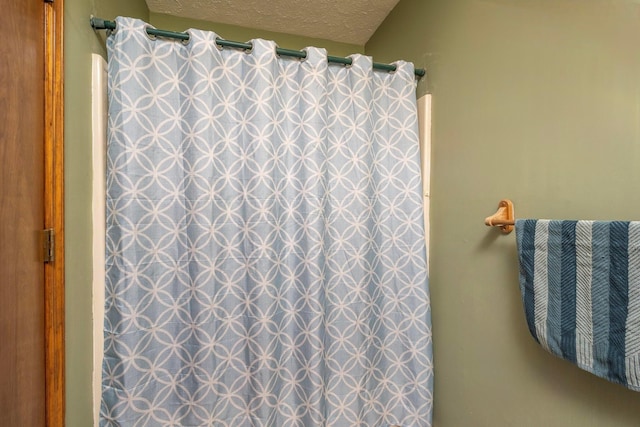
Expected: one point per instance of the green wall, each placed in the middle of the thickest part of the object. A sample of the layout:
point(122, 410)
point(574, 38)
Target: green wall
point(80, 42)
point(537, 101)
point(534, 100)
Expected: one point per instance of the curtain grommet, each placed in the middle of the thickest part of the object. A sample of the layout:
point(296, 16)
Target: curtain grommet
point(113, 31)
point(306, 55)
point(218, 45)
point(150, 36)
point(187, 41)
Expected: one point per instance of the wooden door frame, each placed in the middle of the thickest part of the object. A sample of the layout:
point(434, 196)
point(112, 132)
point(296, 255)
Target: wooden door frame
point(54, 211)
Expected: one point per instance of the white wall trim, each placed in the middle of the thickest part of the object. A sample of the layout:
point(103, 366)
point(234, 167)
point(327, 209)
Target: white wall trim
point(99, 144)
point(424, 123)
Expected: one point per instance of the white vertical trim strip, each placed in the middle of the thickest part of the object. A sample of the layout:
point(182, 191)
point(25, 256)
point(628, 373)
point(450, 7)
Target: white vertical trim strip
point(424, 124)
point(99, 144)
point(584, 318)
point(540, 282)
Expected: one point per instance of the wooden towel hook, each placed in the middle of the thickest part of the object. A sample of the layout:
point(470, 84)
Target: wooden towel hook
point(503, 218)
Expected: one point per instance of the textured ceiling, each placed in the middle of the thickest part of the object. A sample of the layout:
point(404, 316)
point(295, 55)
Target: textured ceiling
point(347, 21)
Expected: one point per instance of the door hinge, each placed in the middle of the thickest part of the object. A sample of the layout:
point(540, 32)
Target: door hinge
point(48, 245)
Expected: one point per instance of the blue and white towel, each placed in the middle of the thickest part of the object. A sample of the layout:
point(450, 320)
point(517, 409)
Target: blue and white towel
point(580, 283)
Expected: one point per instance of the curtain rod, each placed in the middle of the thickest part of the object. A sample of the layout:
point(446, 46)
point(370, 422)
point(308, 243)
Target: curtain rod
point(101, 24)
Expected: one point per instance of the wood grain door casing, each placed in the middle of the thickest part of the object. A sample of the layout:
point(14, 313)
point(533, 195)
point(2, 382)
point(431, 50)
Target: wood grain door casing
point(31, 144)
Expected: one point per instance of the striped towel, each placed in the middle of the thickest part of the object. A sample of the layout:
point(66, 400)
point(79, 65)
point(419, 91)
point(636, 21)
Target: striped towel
point(580, 283)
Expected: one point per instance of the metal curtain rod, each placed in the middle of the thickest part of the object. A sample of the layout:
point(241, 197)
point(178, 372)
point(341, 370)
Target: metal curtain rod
point(101, 24)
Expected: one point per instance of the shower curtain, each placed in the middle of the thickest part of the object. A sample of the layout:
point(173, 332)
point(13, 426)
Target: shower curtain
point(265, 247)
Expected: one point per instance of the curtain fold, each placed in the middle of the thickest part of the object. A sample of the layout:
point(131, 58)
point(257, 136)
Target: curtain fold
point(265, 245)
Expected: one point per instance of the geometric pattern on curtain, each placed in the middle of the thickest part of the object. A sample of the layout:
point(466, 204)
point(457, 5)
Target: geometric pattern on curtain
point(265, 253)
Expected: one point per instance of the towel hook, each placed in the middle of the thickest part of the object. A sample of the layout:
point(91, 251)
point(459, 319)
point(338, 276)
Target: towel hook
point(503, 218)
